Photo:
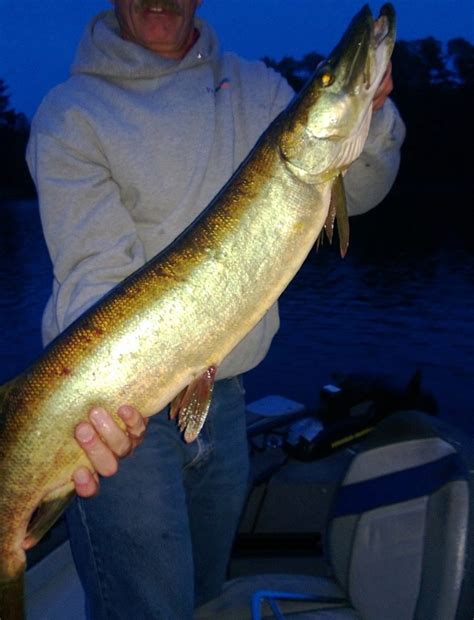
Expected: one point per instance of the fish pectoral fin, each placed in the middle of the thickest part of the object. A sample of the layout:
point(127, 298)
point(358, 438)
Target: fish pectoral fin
point(329, 223)
point(47, 514)
point(338, 202)
point(191, 406)
point(337, 213)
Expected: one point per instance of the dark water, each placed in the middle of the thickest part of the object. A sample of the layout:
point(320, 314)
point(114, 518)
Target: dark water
point(392, 306)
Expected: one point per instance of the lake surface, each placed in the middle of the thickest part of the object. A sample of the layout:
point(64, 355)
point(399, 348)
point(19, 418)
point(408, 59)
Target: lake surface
point(398, 302)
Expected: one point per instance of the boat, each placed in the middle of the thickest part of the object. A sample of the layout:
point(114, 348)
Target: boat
point(362, 508)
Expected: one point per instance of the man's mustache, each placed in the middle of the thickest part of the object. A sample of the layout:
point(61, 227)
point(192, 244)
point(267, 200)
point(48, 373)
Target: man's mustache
point(164, 5)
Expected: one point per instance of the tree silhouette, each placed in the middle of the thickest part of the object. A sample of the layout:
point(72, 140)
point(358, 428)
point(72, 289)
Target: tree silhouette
point(7, 116)
point(461, 53)
point(4, 98)
point(14, 131)
point(296, 72)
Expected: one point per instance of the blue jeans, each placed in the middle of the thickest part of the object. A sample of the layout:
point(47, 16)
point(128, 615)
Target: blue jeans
point(156, 540)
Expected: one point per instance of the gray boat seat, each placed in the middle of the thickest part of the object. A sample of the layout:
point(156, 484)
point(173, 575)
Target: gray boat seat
point(396, 540)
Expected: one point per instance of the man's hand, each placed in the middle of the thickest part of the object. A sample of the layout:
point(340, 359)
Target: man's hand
point(105, 443)
point(384, 89)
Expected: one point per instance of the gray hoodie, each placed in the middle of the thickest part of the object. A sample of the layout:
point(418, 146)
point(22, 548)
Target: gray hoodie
point(133, 146)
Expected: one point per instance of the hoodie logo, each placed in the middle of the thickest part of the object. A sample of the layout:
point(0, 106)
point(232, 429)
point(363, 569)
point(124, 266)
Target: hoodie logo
point(223, 85)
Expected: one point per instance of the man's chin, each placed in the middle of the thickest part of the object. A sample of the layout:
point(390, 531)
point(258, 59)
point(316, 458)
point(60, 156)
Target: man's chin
point(158, 39)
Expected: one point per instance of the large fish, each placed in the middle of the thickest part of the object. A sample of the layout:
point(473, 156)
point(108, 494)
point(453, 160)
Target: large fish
point(159, 335)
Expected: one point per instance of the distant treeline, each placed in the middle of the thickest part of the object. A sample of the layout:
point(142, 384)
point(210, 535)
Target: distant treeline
point(434, 90)
point(14, 132)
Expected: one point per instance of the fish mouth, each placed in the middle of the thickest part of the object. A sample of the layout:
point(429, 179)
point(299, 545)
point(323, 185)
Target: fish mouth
point(383, 24)
point(361, 57)
point(158, 7)
point(383, 40)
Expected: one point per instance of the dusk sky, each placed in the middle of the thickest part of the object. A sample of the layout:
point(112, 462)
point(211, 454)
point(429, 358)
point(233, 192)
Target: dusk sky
point(38, 37)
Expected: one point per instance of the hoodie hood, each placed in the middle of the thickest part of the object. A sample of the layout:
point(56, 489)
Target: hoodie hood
point(103, 52)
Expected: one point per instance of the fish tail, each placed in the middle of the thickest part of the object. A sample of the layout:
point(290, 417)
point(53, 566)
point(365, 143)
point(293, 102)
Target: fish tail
point(11, 599)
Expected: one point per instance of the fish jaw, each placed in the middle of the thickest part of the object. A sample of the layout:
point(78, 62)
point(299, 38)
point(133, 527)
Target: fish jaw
point(329, 121)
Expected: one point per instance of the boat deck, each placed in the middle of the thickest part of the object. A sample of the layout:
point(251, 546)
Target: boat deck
point(270, 538)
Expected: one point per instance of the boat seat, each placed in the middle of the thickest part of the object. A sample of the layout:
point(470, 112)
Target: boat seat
point(396, 540)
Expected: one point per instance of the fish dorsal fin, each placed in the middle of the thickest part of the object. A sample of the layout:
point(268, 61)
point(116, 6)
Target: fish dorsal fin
point(191, 406)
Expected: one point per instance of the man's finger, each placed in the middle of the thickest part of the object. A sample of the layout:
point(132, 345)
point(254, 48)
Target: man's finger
point(85, 483)
point(114, 437)
point(136, 424)
point(102, 458)
point(384, 89)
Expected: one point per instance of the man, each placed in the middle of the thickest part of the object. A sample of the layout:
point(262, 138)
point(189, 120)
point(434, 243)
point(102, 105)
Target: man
point(125, 154)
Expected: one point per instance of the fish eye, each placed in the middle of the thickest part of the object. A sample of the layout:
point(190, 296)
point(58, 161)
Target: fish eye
point(326, 78)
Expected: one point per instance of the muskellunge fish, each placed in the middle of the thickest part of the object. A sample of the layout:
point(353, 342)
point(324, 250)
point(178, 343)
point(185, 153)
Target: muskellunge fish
point(159, 335)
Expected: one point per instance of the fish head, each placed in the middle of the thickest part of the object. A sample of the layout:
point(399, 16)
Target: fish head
point(328, 123)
